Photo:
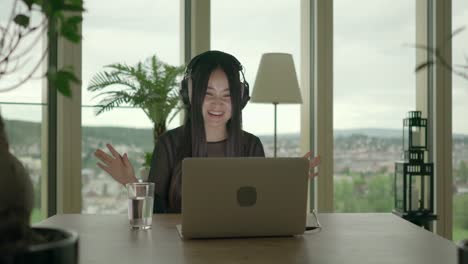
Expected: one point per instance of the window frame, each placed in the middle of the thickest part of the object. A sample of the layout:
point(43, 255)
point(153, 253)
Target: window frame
point(317, 86)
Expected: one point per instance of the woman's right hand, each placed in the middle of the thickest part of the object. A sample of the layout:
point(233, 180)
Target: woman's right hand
point(118, 166)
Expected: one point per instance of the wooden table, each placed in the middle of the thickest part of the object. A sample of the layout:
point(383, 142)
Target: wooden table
point(345, 238)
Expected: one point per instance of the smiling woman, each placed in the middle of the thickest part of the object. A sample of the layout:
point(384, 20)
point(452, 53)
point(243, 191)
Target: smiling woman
point(217, 104)
point(213, 95)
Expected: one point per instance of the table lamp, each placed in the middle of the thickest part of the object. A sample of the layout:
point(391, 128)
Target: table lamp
point(276, 83)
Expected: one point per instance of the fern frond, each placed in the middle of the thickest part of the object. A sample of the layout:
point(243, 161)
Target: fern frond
point(111, 104)
point(105, 79)
point(152, 85)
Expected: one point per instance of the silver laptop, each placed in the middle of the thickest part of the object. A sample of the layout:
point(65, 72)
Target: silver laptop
point(243, 197)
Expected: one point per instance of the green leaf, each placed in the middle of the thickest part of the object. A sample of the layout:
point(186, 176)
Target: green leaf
point(61, 80)
point(75, 2)
point(73, 7)
point(69, 28)
point(148, 156)
point(68, 74)
point(28, 3)
point(22, 20)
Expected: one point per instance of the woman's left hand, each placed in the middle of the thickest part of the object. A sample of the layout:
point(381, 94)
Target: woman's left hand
point(314, 162)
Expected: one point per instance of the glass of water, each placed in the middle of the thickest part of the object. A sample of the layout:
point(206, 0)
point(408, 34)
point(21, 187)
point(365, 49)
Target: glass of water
point(140, 204)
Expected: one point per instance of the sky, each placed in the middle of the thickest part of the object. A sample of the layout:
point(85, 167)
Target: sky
point(374, 76)
point(374, 80)
point(459, 55)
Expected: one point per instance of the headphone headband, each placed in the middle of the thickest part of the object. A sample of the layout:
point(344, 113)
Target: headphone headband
point(193, 64)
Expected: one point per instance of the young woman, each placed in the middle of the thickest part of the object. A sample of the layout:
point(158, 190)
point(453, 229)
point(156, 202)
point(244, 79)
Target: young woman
point(214, 94)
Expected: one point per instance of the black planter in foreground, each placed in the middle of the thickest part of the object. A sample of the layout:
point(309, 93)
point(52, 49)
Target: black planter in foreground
point(463, 252)
point(51, 246)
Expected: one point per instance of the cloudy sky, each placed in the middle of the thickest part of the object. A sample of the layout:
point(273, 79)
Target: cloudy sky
point(373, 71)
point(460, 53)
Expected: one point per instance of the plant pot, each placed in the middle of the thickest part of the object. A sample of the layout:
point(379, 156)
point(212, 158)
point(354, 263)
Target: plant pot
point(51, 246)
point(463, 252)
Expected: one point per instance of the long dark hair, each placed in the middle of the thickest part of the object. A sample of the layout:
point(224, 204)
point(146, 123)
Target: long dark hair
point(193, 142)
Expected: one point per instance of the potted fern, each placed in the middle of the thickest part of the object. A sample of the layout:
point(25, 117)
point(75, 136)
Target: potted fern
point(150, 85)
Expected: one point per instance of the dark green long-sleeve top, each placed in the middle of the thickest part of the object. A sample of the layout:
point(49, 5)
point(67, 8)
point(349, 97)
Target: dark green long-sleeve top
point(165, 156)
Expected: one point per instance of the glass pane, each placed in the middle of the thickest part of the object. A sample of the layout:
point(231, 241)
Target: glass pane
point(419, 137)
point(101, 194)
point(23, 109)
point(124, 32)
point(26, 137)
point(460, 126)
point(374, 88)
point(258, 30)
point(31, 91)
point(399, 194)
point(415, 190)
point(426, 197)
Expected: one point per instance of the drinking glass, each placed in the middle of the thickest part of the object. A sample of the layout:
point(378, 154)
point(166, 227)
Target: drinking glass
point(140, 204)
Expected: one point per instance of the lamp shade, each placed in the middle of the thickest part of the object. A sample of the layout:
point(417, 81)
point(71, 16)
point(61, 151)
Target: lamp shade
point(276, 80)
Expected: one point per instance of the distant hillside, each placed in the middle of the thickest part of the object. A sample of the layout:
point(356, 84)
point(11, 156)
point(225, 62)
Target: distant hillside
point(21, 132)
point(370, 132)
point(25, 133)
point(133, 136)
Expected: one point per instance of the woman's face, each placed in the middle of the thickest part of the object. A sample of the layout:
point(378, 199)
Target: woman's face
point(216, 107)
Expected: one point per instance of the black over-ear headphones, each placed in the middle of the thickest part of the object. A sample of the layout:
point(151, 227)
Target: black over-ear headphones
point(184, 90)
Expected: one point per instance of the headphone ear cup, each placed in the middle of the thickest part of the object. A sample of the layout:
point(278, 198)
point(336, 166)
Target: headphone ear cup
point(245, 94)
point(184, 92)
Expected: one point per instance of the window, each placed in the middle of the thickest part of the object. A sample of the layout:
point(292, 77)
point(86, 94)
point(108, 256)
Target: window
point(247, 29)
point(374, 88)
point(459, 124)
point(120, 32)
point(23, 110)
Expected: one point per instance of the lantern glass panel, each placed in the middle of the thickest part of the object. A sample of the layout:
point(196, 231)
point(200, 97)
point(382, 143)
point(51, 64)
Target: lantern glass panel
point(405, 137)
point(418, 135)
point(427, 193)
point(399, 192)
point(406, 192)
point(417, 189)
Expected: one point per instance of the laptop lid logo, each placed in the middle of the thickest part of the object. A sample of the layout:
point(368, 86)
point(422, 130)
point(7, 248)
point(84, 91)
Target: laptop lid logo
point(246, 196)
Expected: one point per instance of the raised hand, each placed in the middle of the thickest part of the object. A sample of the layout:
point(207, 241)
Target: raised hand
point(314, 162)
point(118, 166)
